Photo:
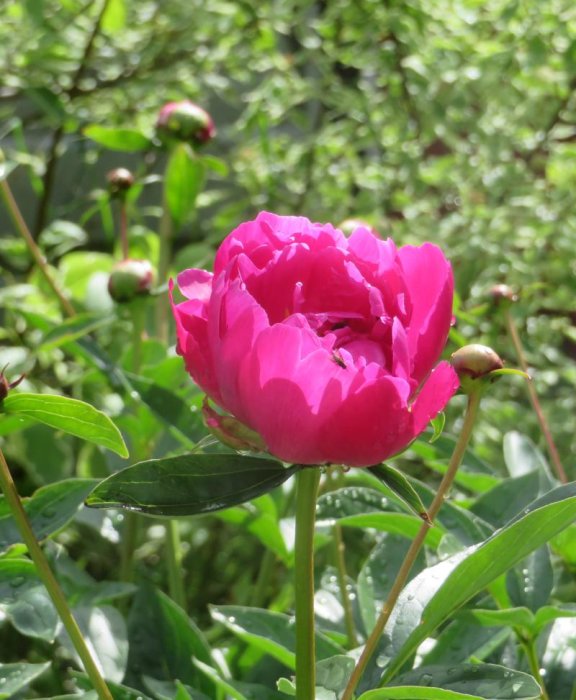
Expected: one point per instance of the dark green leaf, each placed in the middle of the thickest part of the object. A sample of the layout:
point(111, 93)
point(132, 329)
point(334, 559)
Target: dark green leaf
point(25, 601)
point(396, 481)
point(118, 139)
point(15, 677)
point(474, 681)
point(332, 674)
point(522, 456)
point(440, 590)
point(237, 689)
point(507, 499)
point(531, 582)
point(164, 642)
point(70, 415)
point(189, 484)
point(183, 182)
point(74, 328)
point(49, 509)
point(271, 632)
point(352, 500)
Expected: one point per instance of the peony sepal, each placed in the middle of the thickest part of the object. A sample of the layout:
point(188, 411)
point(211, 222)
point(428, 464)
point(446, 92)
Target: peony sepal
point(231, 432)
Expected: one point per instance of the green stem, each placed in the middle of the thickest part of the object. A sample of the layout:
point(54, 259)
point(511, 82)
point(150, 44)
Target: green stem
point(413, 551)
point(35, 251)
point(307, 481)
point(532, 657)
point(164, 256)
point(554, 455)
point(174, 553)
point(49, 580)
point(342, 583)
point(124, 229)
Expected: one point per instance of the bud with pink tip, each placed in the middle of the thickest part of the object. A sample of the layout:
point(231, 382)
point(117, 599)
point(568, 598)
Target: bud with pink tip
point(130, 279)
point(476, 365)
point(184, 121)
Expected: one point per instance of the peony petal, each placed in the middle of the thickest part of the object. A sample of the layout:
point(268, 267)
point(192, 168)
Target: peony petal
point(195, 284)
point(429, 278)
point(193, 344)
point(437, 390)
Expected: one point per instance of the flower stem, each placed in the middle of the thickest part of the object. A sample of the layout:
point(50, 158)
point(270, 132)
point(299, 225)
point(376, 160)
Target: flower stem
point(345, 598)
point(307, 481)
point(410, 558)
point(35, 251)
point(124, 229)
point(532, 657)
point(554, 455)
point(49, 580)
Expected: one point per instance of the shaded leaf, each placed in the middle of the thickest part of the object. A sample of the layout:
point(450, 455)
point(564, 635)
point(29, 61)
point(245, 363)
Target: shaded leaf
point(15, 677)
point(118, 139)
point(189, 484)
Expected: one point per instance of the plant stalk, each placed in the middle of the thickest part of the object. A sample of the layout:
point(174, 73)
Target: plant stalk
point(532, 657)
point(49, 580)
point(413, 551)
point(342, 584)
point(174, 554)
point(307, 481)
point(554, 455)
point(35, 251)
point(164, 257)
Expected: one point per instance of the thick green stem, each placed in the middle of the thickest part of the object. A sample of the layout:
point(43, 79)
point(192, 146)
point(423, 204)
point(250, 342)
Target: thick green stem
point(307, 481)
point(343, 585)
point(174, 554)
point(554, 455)
point(49, 580)
point(124, 229)
point(35, 251)
point(413, 551)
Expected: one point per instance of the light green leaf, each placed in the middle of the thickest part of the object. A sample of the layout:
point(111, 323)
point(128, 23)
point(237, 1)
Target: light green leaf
point(128, 140)
point(183, 181)
point(69, 415)
point(15, 677)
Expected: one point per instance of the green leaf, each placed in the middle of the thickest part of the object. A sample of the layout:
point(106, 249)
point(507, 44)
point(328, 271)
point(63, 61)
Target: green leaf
point(114, 17)
point(262, 525)
point(396, 481)
point(332, 674)
point(531, 582)
point(438, 591)
point(25, 601)
point(128, 140)
point(271, 632)
point(216, 164)
point(69, 415)
point(548, 613)
point(237, 689)
point(189, 484)
point(395, 523)
point(183, 181)
point(164, 641)
point(522, 456)
point(507, 499)
point(513, 617)
point(74, 328)
point(437, 426)
point(15, 677)
point(49, 510)
point(464, 682)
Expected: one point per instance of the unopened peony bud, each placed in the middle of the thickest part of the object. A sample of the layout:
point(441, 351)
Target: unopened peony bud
point(120, 180)
point(475, 365)
point(184, 121)
point(129, 279)
point(503, 294)
point(5, 385)
point(230, 431)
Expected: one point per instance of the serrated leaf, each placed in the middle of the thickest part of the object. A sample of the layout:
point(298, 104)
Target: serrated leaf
point(128, 140)
point(70, 415)
point(49, 509)
point(189, 484)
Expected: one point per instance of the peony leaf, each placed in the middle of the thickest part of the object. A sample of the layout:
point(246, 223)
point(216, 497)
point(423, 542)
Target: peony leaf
point(189, 484)
point(14, 677)
point(69, 415)
point(184, 180)
point(118, 139)
point(397, 482)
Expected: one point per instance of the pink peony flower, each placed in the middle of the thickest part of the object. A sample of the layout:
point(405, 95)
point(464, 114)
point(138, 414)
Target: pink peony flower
point(324, 345)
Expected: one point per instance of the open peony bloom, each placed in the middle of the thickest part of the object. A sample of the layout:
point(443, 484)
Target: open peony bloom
point(324, 345)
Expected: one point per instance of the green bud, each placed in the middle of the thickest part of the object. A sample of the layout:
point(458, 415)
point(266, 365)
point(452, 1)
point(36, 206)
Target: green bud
point(130, 279)
point(476, 366)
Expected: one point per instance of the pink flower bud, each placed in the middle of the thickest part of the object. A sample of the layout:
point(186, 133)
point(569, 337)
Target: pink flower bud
point(184, 121)
point(130, 279)
point(474, 365)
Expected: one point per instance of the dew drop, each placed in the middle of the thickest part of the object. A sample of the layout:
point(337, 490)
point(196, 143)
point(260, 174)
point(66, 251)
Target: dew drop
point(381, 661)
